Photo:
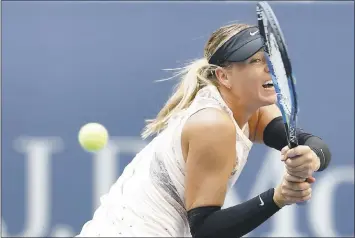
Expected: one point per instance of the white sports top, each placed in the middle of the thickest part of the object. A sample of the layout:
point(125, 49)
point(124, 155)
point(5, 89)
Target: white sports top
point(148, 198)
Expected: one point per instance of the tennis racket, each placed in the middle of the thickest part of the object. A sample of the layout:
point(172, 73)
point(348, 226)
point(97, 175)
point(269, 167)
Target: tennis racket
point(280, 69)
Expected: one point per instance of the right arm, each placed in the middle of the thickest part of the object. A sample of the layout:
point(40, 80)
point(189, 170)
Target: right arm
point(208, 143)
point(209, 139)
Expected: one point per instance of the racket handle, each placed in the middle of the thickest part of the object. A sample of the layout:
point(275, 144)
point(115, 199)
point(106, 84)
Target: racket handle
point(293, 145)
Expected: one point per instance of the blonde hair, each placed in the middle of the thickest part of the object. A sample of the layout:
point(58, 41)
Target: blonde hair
point(196, 75)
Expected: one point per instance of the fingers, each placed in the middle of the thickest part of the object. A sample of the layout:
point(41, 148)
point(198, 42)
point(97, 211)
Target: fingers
point(310, 180)
point(294, 162)
point(299, 150)
point(296, 186)
point(283, 153)
point(295, 192)
point(303, 172)
point(290, 178)
point(284, 150)
point(301, 165)
point(291, 200)
point(300, 168)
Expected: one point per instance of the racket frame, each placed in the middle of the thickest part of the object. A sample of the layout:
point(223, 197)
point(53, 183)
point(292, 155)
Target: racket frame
point(265, 13)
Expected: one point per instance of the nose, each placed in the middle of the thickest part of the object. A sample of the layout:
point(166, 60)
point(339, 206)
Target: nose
point(267, 70)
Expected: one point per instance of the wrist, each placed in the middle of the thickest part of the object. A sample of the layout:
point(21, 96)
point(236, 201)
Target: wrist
point(278, 199)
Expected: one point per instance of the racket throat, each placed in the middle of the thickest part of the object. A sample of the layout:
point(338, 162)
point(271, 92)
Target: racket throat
point(291, 137)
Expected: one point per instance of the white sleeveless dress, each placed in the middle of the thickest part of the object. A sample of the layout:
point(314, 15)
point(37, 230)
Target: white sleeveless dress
point(148, 198)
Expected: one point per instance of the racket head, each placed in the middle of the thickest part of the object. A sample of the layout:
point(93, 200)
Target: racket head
point(280, 69)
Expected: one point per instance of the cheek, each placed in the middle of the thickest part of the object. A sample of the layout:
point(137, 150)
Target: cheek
point(246, 89)
point(257, 78)
point(248, 82)
point(252, 83)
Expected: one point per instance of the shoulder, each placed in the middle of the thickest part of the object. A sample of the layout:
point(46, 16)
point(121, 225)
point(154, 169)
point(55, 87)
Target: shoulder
point(260, 120)
point(209, 124)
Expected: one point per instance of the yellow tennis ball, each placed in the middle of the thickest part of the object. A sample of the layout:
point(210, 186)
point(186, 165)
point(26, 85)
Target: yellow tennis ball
point(93, 137)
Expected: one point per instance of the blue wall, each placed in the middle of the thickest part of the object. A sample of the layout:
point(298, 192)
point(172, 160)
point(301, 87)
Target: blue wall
point(68, 63)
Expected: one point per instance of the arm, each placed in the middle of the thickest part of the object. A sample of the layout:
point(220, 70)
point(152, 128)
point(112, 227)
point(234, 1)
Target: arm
point(208, 142)
point(209, 139)
point(270, 130)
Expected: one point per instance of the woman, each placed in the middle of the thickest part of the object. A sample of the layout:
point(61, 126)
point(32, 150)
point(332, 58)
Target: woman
point(177, 184)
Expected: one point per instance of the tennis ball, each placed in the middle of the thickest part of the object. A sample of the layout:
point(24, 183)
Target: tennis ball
point(93, 137)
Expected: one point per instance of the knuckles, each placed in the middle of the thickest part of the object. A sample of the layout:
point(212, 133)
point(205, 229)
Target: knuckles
point(306, 193)
point(309, 157)
point(305, 171)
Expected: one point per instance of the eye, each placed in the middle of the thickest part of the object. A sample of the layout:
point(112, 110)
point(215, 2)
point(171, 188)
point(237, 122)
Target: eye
point(256, 60)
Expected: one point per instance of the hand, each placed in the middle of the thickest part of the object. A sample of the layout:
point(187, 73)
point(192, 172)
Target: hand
point(293, 190)
point(300, 161)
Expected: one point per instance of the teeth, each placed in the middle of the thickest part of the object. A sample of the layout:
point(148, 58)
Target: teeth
point(268, 82)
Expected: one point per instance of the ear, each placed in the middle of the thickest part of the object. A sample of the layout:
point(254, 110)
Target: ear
point(222, 77)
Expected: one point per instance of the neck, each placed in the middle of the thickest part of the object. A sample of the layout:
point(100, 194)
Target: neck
point(242, 112)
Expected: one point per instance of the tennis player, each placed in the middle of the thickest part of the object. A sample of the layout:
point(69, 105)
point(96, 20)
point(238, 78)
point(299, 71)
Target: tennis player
point(177, 184)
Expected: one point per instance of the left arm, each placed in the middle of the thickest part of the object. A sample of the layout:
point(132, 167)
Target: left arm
point(270, 130)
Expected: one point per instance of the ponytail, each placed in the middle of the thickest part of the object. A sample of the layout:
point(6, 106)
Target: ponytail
point(193, 77)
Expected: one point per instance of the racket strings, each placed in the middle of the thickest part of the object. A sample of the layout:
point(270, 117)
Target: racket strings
point(280, 69)
point(280, 78)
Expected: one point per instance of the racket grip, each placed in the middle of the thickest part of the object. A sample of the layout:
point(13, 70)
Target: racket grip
point(293, 145)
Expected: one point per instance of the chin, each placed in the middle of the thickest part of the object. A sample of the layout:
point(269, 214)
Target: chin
point(269, 100)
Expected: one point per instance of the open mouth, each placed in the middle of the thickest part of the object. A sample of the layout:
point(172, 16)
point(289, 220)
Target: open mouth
point(268, 84)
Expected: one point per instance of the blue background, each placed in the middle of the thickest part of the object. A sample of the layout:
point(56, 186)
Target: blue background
point(68, 63)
